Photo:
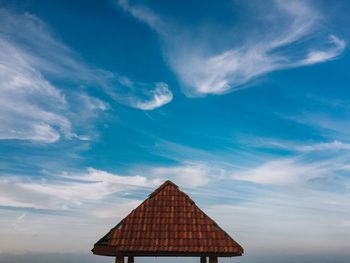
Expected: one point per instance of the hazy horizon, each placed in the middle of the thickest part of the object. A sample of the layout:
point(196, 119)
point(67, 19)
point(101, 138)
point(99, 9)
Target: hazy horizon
point(86, 258)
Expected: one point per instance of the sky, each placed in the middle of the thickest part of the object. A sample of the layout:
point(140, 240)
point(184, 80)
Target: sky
point(244, 104)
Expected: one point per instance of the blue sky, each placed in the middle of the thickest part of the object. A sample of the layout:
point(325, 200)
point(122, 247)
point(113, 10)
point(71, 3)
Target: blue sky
point(244, 105)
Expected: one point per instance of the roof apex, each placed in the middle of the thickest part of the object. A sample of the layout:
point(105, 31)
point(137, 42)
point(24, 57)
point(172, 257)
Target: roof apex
point(160, 188)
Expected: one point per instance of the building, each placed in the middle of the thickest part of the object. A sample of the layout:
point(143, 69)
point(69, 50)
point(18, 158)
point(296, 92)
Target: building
point(167, 223)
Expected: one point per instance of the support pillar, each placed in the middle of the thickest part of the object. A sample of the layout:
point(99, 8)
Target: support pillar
point(119, 259)
point(203, 259)
point(213, 259)
point(130, 259)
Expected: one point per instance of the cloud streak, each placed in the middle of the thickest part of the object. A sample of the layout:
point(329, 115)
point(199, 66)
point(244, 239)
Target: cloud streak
point(190, 175)
point(284, 172)
point(333, 146)
point(160, 96)
point(276, 46)
point(33, 107)
point(143, 96)
point(319, 166)
point(317, 56)
point(71, 190)
point(68, 190)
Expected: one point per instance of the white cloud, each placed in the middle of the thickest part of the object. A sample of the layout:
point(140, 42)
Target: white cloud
point(158, 97)
point(67, 190)
point(22, 89)
point(142, 13)
point(140, 95)
point(70, 190)
point(97, 191)
point(94, 175)
point(317, 56)
point(335, 145)
point(304, 219)
point(32, 108)
point(94, 103)
point(118, 209)
point(285, 172)
point(321, 146)
point(206, 71)
point(190, 175)
point(329, 124)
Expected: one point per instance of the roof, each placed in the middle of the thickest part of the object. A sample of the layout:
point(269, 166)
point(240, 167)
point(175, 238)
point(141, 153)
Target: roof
point(167, 223)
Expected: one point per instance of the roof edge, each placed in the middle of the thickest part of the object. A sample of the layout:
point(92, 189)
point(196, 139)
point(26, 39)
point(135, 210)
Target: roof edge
point(111, 251)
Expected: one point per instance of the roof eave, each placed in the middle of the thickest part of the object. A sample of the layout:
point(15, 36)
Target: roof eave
point(111, 251)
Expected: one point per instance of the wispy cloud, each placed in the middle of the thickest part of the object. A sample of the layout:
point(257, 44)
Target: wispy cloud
point(278, 45)
point(190, 175)
point(159, 96)
point(335, 145)
point(70, 190)
point(329, 124)
point(67, 190)
point(33, 107)
point(114, 210)
point(318, 56)
point(326, 169)
point(18, 221)
point(293, 146)
point(284, 172)
point(143, 96)
point(282, 215)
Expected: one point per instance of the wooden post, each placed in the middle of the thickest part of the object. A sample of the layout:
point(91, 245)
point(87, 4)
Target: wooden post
point(213, 259)
point(203, 259)
point(130, 259)
point(119, 259)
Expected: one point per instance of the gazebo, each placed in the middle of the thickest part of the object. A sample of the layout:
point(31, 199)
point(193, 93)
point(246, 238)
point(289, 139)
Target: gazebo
point(167, 223)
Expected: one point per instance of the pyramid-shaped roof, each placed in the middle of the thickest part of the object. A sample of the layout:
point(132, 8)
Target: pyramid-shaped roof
point(167, 223)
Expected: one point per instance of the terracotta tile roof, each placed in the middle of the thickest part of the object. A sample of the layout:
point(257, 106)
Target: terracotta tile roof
point(168, 223)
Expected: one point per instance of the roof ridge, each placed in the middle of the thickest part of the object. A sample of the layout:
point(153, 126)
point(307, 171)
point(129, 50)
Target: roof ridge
point(160, 188)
